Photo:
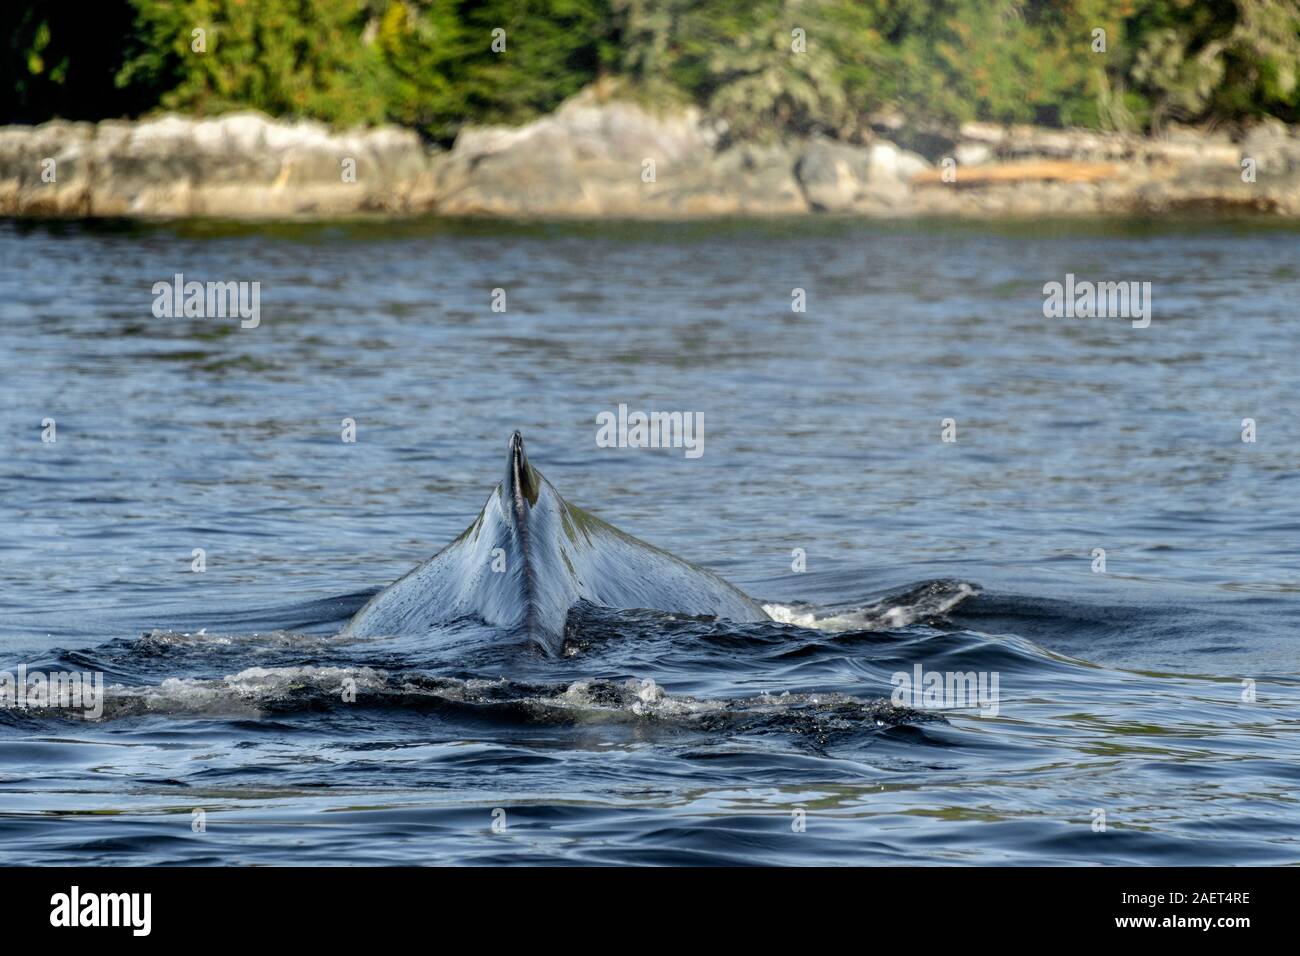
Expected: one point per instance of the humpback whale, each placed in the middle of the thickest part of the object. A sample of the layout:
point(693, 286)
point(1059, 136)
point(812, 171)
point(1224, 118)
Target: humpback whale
point(529, 557)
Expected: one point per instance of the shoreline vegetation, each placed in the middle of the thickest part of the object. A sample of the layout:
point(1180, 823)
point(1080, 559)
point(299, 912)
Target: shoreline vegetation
point(660, 109)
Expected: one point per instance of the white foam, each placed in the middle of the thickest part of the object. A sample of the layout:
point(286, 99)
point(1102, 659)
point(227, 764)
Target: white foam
point(247, 691)
point(877, 617)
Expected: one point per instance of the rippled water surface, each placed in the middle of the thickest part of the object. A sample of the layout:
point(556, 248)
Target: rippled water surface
point(1162, 693)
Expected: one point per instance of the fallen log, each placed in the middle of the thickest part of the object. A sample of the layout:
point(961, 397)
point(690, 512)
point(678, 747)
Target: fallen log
point(1062, 171)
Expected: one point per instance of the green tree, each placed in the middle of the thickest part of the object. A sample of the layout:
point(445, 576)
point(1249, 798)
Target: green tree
point(287, 57)
point(768, 68)
point(1219, 58)
point(421, 48)
point(443, 69)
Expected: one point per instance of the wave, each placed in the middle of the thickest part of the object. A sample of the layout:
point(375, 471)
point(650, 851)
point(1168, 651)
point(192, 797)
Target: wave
point(258, 692)
point(929, 600)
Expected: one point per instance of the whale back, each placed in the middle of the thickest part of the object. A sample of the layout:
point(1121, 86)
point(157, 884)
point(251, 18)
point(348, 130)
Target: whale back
point(522, 568)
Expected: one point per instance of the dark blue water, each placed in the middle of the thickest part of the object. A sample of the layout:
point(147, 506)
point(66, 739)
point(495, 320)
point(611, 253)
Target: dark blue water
point(654, 740)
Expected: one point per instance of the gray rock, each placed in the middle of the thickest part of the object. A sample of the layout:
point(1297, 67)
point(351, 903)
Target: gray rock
point(836, 177)
point(239, 164)
point(589, 159)
point(832, 175)
point(1274, 146)
point(973, 154)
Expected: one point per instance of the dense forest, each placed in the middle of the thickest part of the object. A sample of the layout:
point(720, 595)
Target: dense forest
point(765, 67)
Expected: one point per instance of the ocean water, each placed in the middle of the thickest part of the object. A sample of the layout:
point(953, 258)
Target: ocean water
point(1142, 713)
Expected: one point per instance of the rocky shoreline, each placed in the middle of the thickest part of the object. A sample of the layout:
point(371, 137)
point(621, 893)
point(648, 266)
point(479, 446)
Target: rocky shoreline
point(604, 157)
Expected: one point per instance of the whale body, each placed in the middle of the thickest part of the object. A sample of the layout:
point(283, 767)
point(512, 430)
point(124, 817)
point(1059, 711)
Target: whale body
point(529, 557)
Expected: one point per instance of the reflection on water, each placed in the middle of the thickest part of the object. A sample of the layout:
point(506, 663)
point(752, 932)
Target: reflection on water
point(657, 740)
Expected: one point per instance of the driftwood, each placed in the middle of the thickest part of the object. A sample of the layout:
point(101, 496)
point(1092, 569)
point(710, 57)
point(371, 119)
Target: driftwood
point(1052, 170)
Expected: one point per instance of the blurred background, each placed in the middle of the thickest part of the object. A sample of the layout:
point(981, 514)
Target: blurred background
point(1130, 65)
